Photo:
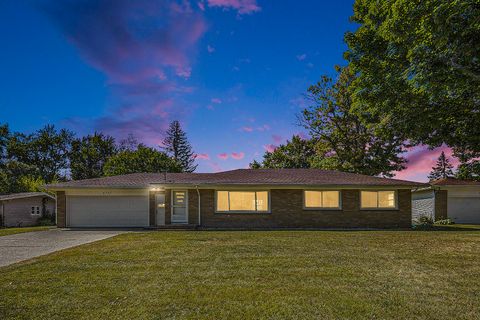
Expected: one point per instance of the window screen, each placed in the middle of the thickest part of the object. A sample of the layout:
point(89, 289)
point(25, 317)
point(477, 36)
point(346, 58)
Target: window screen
point(242, 201)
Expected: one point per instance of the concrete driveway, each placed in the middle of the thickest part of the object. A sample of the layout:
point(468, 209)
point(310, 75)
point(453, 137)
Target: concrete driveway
point(23, 246)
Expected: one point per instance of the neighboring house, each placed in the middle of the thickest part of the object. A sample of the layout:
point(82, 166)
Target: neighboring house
point(245, 198)
point(24, 209)
point(451, 198)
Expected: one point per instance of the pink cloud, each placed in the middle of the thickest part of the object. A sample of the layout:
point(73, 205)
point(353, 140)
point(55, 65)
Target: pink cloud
point(246, 129)
point(242, 6)
point(301, 57)
point(238, 155)
point(216, 100)
point(202, 156)
point(143, 48)
point(270, 147)
point(421, 160)
point(210, 49)
point(277, 138)
point(222, 156)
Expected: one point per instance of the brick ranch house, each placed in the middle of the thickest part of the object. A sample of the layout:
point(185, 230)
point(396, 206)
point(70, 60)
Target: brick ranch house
point(244, 198)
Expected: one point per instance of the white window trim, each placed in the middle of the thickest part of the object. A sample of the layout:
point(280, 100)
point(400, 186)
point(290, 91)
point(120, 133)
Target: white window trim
point(395, 192)
point(172, 206)
point(323, 208)
point(36, 211)
point(244, 211)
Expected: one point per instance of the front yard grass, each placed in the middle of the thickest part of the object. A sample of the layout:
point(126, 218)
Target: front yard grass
point(252, 275)
point(9, 231)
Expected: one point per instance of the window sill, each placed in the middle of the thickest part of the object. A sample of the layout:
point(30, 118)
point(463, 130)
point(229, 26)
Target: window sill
point(379, 209)
point(256, 213)
point(322, 209)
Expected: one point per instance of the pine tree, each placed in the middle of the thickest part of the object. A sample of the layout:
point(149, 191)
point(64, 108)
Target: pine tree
point(177, 146)
point(443, 168)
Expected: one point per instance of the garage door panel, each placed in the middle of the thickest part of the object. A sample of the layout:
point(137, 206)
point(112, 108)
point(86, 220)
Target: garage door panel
point(464, 210)
point(107, 211)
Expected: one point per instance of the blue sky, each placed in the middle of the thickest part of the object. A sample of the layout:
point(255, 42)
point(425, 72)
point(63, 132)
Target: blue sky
point(232, 71)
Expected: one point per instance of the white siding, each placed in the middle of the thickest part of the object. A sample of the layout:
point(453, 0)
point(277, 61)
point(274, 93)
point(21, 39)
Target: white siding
point(423, 204)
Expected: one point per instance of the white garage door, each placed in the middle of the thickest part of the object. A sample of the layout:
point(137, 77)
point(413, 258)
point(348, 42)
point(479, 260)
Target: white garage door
point(107, 211)
point(464, 210)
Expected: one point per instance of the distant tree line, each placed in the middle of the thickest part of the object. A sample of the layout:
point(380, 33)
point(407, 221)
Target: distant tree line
point(29, 161)
point(412, 77)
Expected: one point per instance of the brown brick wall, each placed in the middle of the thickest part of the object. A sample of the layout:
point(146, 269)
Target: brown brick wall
point(287, 212)
point(193, 206)
point(441, 199)
point(61, 209)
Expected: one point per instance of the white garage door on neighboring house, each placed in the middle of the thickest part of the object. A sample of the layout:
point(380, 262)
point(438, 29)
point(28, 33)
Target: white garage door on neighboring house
point(107, 211)
point(464, 209)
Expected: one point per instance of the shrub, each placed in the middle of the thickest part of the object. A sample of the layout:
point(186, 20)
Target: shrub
point(46, 220)
point(445, 222)
point(423, 223)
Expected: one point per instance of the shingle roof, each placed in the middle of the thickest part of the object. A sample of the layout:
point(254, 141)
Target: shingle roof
point(239, 177)
point(455, 182)
point(12, 196)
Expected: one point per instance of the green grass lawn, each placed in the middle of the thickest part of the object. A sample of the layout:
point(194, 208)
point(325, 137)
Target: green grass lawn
point(9, 231)
point(252, 275)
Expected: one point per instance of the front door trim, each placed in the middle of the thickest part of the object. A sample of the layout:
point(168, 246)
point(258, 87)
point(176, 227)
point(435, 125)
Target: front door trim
point(172, 206)
point(158, 221)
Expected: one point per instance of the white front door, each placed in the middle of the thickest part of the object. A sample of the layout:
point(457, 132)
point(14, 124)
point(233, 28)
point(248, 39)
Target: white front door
point(160, 207)
point(179, 206)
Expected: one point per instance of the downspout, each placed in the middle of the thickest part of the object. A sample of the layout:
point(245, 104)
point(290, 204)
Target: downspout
point(199, 208)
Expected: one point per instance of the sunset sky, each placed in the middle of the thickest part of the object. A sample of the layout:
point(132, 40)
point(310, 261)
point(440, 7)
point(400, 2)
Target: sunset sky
point(232, 71)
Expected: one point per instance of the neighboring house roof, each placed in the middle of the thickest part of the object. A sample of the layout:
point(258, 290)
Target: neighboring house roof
point(455, 182)
point(238, 177)
point(22, 195)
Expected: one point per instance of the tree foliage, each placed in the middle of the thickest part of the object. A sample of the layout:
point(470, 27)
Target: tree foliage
point(342, 141)
point(177, 146)
point(89, 154)
point(47, 149)
point(296, 153)
point(469, 170)
point(4, 137)
point(418, 69)
point(144, 159)
point(443, 168)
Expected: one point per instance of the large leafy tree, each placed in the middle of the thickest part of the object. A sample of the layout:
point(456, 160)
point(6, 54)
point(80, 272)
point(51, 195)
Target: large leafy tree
point(47, 149)
point(418, 70)
point(4, 137)
point(296, 153)
point(342, 141)
point(469, 170)
point(89, 154)
point(144, 159)
point(442, 169)
point(177, 146)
